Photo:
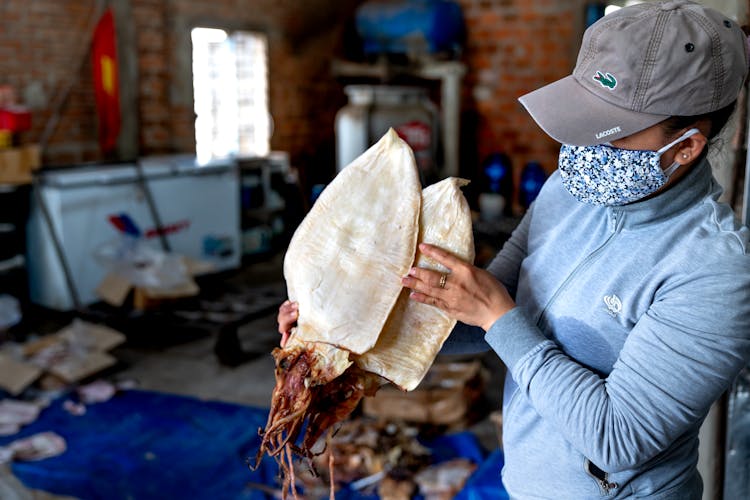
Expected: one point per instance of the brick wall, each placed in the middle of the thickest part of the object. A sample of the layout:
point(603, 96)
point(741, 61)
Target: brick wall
point(303, 38)
point(44, 55)
point(514, 47)
point(42, 48)
point(157, 113)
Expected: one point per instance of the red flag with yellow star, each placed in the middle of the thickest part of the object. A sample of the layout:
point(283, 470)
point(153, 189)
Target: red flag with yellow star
point(106, 83)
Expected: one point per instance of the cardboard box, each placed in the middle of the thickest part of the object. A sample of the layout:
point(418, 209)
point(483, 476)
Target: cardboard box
point(81, 334)
point(17, 164)
point(118, 291)
point(149, 297)
point(16, 375)
point(77, 366)
point(444, 397)
point(68, 356)
point(91, 337)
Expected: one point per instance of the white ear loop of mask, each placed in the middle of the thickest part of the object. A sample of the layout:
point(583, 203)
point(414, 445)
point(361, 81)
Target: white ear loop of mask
point(675, 165)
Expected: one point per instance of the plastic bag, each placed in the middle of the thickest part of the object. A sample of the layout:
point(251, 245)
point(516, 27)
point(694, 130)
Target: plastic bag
point(142, 264)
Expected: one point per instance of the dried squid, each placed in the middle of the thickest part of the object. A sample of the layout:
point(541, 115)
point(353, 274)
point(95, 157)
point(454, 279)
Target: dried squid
point(415, 332)
point(356, 328)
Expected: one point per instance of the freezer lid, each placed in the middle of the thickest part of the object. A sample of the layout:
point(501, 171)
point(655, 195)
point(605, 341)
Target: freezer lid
point(89, 175)
point(182, 164)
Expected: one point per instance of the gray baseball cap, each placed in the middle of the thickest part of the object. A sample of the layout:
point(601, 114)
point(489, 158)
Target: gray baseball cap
point(640, 65)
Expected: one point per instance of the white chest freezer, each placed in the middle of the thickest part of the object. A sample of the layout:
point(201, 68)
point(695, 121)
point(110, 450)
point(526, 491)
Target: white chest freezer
point(197, 208)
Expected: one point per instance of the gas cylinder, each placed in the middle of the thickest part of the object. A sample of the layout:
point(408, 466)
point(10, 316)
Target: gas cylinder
point(373, 109)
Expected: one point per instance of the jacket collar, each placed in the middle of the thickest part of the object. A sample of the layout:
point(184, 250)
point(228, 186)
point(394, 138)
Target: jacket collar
point(692, 188)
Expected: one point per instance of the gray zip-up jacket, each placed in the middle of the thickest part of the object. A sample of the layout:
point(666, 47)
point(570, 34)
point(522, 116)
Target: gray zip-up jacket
point(631, 322)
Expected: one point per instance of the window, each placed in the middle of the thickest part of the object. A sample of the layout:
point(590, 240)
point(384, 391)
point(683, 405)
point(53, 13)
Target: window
point(618, 4)
point(596, 10)
point(611, 8)
point(230, 90)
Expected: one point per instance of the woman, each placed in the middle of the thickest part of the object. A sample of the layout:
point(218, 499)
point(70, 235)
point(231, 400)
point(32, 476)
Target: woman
point(621, 304)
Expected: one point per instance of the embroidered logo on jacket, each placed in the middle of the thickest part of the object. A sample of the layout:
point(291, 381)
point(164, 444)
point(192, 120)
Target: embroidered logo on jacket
point(613, 303)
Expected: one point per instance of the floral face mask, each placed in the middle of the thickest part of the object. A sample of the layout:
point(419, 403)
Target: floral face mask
point(605, 175)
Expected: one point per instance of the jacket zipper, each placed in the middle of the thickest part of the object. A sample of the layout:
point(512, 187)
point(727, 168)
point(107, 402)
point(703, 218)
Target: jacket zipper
point(541, 322)
point(601, 477)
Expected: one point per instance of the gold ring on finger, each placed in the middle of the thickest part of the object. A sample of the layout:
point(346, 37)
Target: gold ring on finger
point(443, 279)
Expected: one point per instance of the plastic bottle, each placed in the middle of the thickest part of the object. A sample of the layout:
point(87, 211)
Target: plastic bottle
point(497, 186)
point(498, 174)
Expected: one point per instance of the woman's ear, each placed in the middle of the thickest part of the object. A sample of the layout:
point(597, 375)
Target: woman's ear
point(690, 149)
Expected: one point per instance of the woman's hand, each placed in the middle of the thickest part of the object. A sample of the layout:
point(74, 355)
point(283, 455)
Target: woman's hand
point(287, 319)
point(468, 294)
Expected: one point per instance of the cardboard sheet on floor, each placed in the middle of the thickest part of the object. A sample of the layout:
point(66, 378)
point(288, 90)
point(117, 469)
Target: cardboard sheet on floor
point(16, 376)
point(148, 445)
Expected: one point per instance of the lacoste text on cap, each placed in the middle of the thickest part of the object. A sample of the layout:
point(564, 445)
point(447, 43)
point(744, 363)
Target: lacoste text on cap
point(639, 66)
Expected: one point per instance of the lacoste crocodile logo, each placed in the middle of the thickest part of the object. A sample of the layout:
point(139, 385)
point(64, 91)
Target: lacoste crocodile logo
point(607, 80)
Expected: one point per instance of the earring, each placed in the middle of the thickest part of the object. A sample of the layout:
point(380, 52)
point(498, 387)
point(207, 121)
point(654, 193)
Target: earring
point(684, 156)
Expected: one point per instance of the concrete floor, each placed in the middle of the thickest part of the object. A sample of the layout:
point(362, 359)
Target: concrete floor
point(192, 368)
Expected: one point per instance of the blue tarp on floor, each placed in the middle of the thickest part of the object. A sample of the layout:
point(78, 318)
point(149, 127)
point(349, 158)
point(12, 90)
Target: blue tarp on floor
point(144, 445)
